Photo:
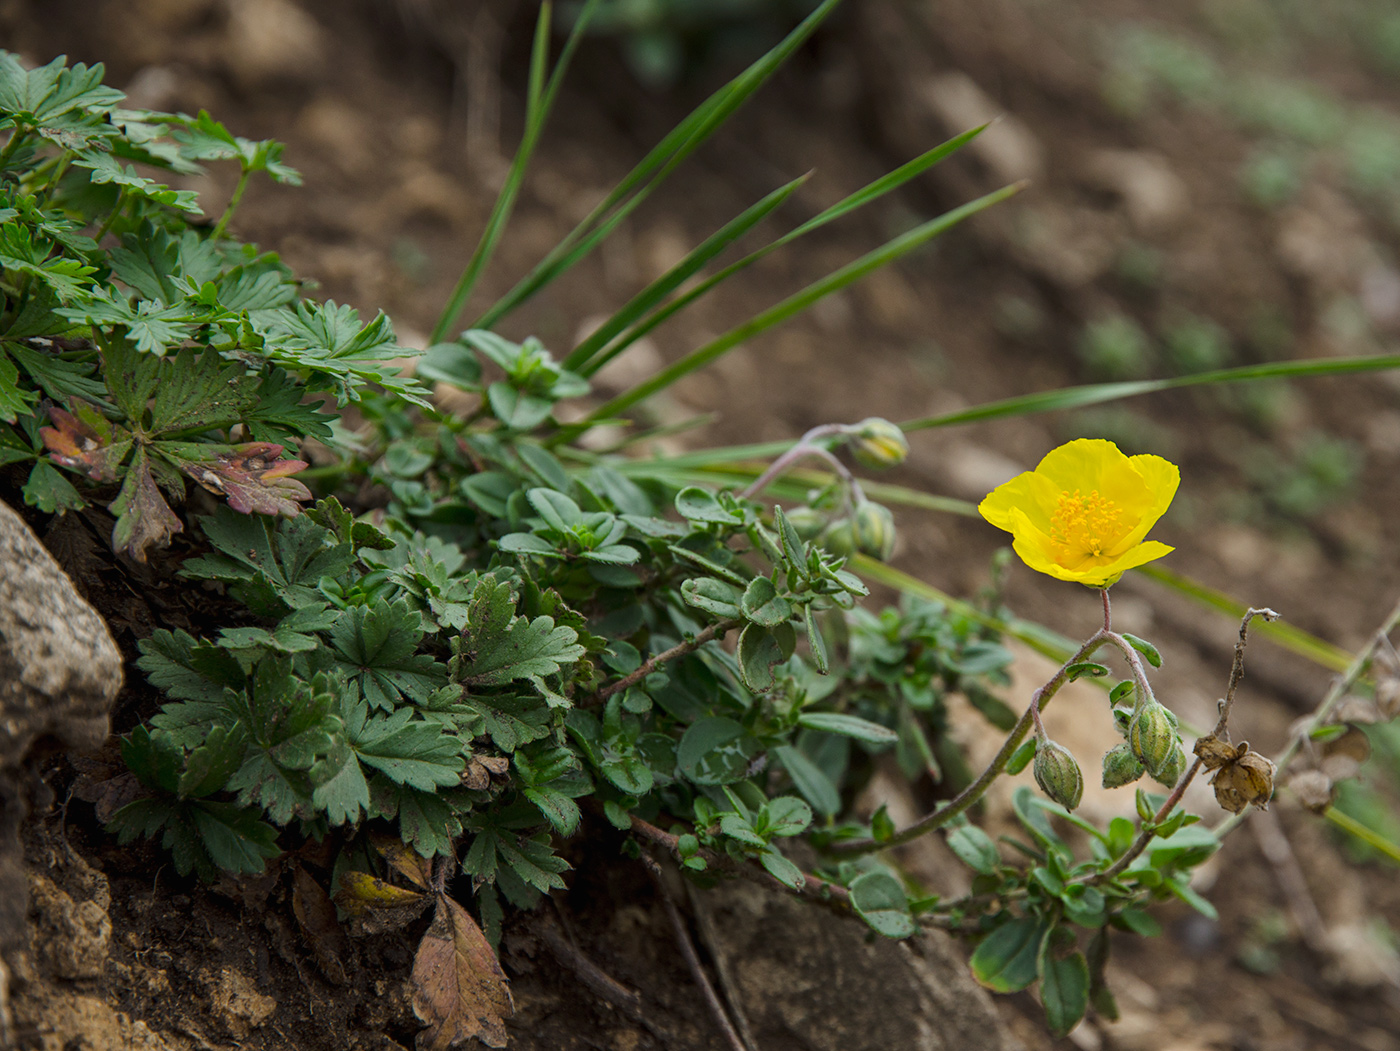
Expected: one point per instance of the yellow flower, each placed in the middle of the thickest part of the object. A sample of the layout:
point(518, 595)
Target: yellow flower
point(1082, 514)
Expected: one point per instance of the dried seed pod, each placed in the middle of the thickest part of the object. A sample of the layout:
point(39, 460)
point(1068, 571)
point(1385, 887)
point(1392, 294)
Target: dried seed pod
point(1314, 790)
point(1215, 753)
point(877, 443)
point(1152, 737)
point(1057, 773)
point(1244, 781)
point(1120, 767)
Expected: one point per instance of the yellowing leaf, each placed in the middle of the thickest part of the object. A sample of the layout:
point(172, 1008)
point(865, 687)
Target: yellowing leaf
point(459, 989)
point(407, 862)
point(376, 907)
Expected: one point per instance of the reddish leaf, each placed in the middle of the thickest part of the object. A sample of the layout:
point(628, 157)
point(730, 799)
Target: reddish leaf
point(459, 989)
point(86, 441)
point(144, 519)
point(250, 476)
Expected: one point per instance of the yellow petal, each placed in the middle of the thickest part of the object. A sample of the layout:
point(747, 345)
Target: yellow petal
point(1161, 477)
point(1034, 495)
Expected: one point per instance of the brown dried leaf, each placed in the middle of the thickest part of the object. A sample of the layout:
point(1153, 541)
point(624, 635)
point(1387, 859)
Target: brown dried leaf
point(144, 519)
point(316, 915)
point(498, 765)
point(1248, 779)
point(376, 907)
point(1215, 753)
point(459, 989)
point(476, 776)
point(86, 441)
point(250, 476)
point(1354, 744)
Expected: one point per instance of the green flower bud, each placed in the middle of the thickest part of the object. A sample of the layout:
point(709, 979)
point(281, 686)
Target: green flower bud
point(808, 521)
point(1152, 737)
point(1172, 769)
point(1120, 767)
point(1058, 774)
point(839, 538)
point(878, 443)
point(873, 530)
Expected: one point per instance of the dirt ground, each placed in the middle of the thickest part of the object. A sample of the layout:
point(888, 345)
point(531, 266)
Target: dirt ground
point(1192, 203)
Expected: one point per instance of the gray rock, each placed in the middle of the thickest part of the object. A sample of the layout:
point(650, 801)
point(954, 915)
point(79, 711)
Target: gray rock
point(812, 979)
point(59, 668)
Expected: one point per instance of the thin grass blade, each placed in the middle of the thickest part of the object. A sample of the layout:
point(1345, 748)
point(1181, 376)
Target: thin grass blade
point(665, 157)
point(539, 101)
point(794, 304)
point(668, 282)
point(859, 199)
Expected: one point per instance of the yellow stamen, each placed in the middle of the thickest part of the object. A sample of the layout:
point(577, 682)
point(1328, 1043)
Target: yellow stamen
point(1084, 525)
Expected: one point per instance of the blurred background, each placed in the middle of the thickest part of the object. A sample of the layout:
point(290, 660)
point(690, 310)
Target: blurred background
point(1210, 184)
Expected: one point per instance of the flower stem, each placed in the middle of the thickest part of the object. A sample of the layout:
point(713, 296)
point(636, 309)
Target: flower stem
point(805, 447)
point(973, 792)
point(243, 178)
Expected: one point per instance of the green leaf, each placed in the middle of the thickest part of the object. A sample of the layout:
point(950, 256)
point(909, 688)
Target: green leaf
point(848, 726)
point(377, 645)
point(785, 816)
point(759, 649)
point(1145, 648)
point(714, 751)
point(1005, 960)
point(781, 869)
point(879, 900)
point(809, 779)
point(559, 810)
point(713, 596)
point(497, 647)
point(1021, 758)
point(1064, 989)
point(763, 605)
point(975, 849)
point(210, 766)
point(701, 505)
point(1074, 671)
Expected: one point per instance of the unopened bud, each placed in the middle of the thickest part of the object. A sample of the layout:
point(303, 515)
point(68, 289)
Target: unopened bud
point(839, 538)
point(1058, 774)
point(877, 443)
point(1249, 779)
point(1172, 769)
point(1120, 767)
point(873, 530)
point(807, 521)
point(1152, 737)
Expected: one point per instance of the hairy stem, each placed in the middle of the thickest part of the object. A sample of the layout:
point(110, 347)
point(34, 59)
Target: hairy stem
point(243, 178)
point(972, 793)
point(715, 630)
point(804, 447)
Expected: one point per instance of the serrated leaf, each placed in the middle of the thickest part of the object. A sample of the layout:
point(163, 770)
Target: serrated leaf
point(85, 440)
point(251, 477)
point(144, 519)
point(209, 767)
point(497, 647)
point(559, 810)
point(377, 645)
point(328, 339)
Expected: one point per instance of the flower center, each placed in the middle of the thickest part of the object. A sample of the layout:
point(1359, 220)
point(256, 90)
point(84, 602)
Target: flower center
point(1084, 525)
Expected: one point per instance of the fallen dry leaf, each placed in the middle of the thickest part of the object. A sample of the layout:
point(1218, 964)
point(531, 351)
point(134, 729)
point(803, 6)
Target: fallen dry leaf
point(404, 860)
point(376, 907)
point(316, 915)
point(459, 989)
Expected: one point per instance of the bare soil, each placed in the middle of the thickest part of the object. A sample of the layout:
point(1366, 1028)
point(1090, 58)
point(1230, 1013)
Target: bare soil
point(1139, 214)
